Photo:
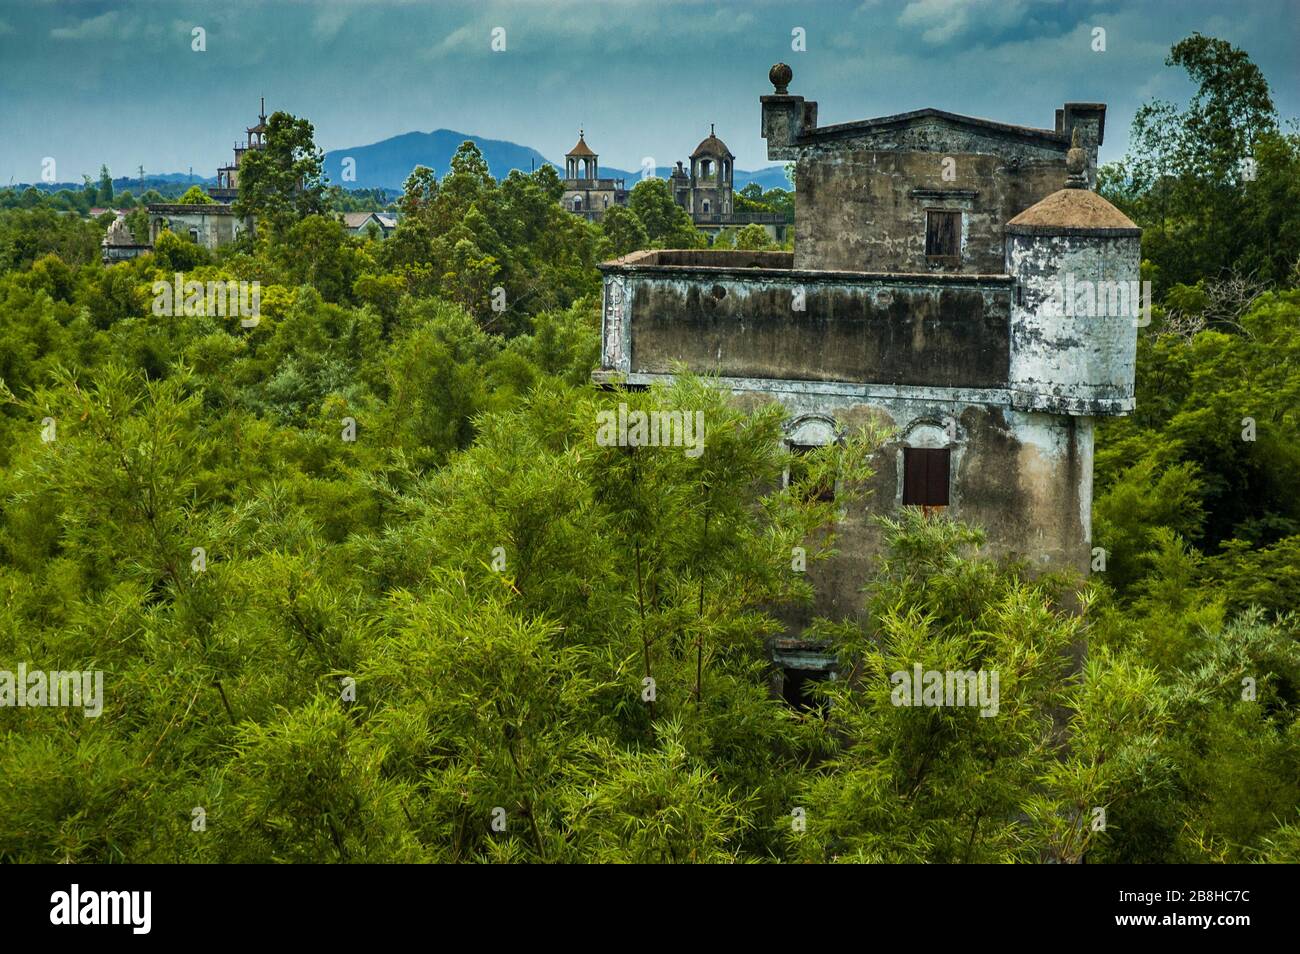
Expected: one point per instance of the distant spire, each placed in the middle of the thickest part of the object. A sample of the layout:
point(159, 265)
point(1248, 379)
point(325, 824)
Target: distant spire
point(262, 114)
point(710, 129)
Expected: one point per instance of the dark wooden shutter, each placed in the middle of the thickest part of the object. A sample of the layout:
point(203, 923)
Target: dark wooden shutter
point(925, 476)
point(936, 477)
point(942, 234)
point(913, 476)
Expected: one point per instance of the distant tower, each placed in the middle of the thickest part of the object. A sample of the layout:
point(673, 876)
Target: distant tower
point(711, 177)
point(585, 193)
point(227, 189)
point(580, 161)
point(257, 134)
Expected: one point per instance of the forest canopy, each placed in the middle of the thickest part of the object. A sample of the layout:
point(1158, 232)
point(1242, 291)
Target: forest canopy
point(364, 586)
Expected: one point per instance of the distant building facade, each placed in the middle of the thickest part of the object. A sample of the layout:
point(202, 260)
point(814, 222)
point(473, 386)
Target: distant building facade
point(706, 191)
point(359, 223)
point(214, 224)
point(585, 192)
point(119, 245)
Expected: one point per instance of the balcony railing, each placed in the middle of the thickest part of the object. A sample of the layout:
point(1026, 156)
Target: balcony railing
point(742, 218)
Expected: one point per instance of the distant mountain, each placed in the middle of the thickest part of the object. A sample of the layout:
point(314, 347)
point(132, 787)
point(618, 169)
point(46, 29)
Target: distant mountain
point(387, 163)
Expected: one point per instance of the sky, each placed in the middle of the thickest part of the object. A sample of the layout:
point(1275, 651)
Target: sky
point(119, 82)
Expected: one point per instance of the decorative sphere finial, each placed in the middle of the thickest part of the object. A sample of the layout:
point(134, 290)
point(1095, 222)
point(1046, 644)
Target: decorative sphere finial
point(780, 76)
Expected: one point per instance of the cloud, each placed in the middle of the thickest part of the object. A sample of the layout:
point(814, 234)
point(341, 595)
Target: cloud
point(327, 25)
point(96, 28)
point(980, 22)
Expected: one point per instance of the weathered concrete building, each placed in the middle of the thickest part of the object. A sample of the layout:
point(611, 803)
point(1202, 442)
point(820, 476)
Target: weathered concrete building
point(118, 244)
point(943, 283)
point(210, 224)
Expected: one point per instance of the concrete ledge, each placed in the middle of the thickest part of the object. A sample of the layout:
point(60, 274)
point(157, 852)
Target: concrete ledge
point(766, 265)
point(994, 397)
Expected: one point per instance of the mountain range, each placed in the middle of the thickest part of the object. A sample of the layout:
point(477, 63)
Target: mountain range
point(387, 163)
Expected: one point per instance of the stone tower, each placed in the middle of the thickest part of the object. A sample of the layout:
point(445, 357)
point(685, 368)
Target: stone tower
point(585, 193)
point(711, 177)
point(580, 162)
point(1075, 259)
point(227, 188)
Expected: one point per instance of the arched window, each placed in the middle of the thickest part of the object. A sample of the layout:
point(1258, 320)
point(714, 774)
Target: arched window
point(927, 465)
point(706, 205)
point(803, 435)
point(577, 203)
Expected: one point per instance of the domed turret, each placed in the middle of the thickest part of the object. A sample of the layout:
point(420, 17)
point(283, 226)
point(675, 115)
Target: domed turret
point(712, 147)
point(712, 160)
point(580, 161)
point(1076, 311)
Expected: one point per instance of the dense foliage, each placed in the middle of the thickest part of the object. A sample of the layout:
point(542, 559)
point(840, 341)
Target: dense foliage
point(364, 585)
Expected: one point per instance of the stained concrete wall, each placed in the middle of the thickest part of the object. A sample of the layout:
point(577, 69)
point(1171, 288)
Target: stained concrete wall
point(1074, 322)
point(215, 224)
point(865, 210)
point(778, 323)
point(1025, 477)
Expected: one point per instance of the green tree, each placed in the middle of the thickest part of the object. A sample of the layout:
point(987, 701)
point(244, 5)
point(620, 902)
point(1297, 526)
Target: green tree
point(284, 181)
point(419, 192)
point(666, 223)
point(752, 238)
point(195, 195)
point(1188, 169)
point(623, 230)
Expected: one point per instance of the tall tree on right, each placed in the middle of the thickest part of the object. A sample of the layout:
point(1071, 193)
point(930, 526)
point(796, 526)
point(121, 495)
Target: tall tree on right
point(1192, 175)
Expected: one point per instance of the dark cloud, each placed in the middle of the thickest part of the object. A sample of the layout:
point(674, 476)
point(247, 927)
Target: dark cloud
point(117, 82)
